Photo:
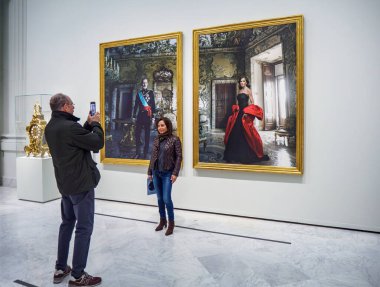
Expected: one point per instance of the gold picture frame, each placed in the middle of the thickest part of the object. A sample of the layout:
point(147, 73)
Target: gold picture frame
point(227, 131)
point(128, 108)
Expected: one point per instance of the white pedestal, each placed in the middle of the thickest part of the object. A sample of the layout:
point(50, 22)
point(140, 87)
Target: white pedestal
point(36, 179)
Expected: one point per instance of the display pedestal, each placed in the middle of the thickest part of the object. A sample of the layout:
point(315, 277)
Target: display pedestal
point(36, 179)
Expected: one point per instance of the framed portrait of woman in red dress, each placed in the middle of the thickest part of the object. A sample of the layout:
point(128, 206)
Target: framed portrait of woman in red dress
point(248, 96)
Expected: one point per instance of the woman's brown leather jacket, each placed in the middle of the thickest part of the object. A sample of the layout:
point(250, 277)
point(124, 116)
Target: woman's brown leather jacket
point(173, 154)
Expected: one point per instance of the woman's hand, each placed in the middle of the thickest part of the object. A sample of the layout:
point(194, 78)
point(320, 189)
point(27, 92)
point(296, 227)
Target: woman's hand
point(173, 178)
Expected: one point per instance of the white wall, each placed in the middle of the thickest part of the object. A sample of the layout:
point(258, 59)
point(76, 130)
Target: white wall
point(340, 183)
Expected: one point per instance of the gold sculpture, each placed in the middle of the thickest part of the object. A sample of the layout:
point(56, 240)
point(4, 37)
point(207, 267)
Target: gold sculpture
point(35, 131)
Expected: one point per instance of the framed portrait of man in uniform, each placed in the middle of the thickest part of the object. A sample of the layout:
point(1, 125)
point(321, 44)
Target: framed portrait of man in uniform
point(248, 96)
point(140, 81)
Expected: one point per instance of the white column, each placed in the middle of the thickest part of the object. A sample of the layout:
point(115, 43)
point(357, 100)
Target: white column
point(15, 60)
point(14, 82)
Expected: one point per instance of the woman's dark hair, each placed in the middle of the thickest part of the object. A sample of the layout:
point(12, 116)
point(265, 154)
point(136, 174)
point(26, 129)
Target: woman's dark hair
point(168, 124)
point(246, 79)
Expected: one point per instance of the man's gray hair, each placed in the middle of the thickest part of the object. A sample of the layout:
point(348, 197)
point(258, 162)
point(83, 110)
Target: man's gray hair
point(58, 101)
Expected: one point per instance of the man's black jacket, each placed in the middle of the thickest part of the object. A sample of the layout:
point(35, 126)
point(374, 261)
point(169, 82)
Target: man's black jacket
point(70, 145)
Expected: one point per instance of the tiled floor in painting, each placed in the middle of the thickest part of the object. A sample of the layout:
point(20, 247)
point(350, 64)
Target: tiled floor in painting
point(128, 252)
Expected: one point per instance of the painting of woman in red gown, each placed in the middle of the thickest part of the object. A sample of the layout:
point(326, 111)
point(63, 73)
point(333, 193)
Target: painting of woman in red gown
point(242, 141)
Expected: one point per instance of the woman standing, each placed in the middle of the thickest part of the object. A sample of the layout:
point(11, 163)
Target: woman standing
point(164, 167)
point(242, 140)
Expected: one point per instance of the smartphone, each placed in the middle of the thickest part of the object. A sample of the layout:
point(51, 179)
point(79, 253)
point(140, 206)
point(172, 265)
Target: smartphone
point(92, 108)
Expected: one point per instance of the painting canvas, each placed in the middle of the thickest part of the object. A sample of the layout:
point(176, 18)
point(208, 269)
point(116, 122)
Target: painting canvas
point(248, 96)
point(140, 81)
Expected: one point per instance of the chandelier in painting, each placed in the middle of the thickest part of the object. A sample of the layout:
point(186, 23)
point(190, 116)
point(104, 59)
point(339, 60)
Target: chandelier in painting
point(112, 68)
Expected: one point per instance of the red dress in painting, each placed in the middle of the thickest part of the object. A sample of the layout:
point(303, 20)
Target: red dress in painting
point(242, 140)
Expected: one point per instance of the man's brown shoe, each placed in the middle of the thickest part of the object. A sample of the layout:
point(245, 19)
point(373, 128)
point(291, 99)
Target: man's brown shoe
point(59, 275)
point(85, 280)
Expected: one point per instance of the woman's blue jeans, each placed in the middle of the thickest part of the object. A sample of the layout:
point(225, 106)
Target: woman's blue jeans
point(163, 186)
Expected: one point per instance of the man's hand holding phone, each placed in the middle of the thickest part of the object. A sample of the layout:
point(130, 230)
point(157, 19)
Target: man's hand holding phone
point(94, 118)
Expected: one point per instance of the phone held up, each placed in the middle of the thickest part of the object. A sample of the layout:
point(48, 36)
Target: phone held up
point(92, 108)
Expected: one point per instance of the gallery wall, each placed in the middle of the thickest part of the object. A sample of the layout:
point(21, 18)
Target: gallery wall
point(2, 36)
point(339, 186)
point(2, 22)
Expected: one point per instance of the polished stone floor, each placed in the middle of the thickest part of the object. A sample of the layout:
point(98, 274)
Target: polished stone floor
point(205, 250)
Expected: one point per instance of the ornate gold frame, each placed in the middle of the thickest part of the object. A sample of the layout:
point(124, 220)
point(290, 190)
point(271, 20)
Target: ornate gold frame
point(298, 168)
point(178, 76)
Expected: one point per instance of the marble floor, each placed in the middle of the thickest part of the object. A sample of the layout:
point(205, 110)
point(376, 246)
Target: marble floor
point(205, 249)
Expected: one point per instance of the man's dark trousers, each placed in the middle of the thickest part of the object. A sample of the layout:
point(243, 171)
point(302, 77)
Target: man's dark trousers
point(77, 208)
